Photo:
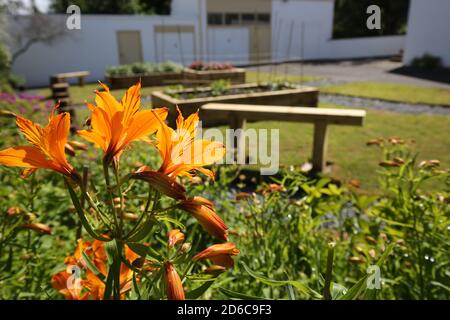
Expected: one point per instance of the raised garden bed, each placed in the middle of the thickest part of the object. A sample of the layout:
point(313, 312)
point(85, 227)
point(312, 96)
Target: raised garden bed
point(189, 100)
point(147, 80)
point(234, 75)
point(151, 74)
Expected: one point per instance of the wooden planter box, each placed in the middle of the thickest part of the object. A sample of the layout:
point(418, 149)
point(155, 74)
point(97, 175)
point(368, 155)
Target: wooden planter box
point(301, 97)
point(235, 75)
point(147, 80)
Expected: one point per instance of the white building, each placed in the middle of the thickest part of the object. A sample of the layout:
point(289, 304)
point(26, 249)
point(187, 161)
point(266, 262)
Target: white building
point(236, 31)
point(428, 30)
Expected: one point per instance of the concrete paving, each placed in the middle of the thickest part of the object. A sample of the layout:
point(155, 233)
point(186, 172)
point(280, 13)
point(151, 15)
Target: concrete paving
point(377, 70)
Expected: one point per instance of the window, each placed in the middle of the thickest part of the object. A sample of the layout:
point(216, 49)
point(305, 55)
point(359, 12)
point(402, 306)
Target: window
point(231, 18)
point(263, 18)
point(215, 18)
point(248, 18)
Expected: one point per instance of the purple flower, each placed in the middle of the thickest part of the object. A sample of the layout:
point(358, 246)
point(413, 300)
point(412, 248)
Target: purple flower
point(21, 108)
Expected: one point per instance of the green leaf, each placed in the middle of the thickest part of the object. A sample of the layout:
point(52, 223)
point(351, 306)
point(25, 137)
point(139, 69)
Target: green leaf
point(144, 250)
point(238, 295)
point(173, 221)
point(197, 292)
point(92, 266)
point(358, 288)
point(136, 287)
point(142, 232)
point(300, 286)
point(83, 219)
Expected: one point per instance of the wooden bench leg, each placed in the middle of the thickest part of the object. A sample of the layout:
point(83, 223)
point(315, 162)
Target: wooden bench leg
point(319, 146)
point(236, 123)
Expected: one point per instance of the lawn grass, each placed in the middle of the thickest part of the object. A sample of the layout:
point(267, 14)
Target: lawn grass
point(254, 76)
point(392, 91)
point(347, 145)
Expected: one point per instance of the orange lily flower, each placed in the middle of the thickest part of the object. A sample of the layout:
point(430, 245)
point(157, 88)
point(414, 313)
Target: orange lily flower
point(47, 150)
point(174, 236)
point(60, 282)
point(93, 286)
point(219, 254)
point(114, 125)
point(181, 152)
point(203, 210)
point(174, 287)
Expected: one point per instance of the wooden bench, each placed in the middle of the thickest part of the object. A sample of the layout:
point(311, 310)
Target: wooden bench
point(239, 114)
point(62, 77)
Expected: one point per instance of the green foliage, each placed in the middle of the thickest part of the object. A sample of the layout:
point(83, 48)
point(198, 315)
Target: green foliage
point(114, 6)
point(142, 68)
point(283, 230)
point(427, 61)
point(219, 87)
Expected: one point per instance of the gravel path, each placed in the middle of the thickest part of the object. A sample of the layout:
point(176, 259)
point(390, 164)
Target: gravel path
point(357, 102)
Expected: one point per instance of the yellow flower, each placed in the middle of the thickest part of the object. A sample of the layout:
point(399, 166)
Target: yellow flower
point(114, 125)
point(48, 146)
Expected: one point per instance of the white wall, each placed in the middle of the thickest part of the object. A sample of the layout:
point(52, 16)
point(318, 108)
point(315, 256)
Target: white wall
point(311, 20)
point(94, 47)
point(228, 45)
point(312, 25)
point(364, 47)
point(428, 30)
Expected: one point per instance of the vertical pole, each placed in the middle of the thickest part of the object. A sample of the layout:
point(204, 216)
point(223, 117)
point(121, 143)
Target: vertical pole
point(319, 146)
point(180, 43)
point(200, 32)
point(288, 49)
point(155, 40)
point(302, 52)
point(238, 123)
point(163, 45)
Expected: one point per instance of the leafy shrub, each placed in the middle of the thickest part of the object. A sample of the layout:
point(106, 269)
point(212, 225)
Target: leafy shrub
point(122, 70)
point(427, 61)
point(203, 66)
point(142, 68)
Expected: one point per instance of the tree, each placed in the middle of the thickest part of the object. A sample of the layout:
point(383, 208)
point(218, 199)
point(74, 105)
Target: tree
point(114, 6)
point(350, 18)
point(29, 27)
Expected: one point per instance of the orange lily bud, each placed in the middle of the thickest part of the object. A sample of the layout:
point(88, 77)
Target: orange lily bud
point(377, 142)
point(202, 210)
point(13, 211)
point(130, 216)
point(77, 145)
point(69, 150)
point(389, 163)
point(175, 236)
point(219, 254)
point(243, 196)
point(174, 286)
point(40, 227)
point(162, 183)
point(7, 114)
point(215, 269)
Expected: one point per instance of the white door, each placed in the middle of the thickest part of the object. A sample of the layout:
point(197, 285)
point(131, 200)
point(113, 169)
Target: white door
point(130, 46)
